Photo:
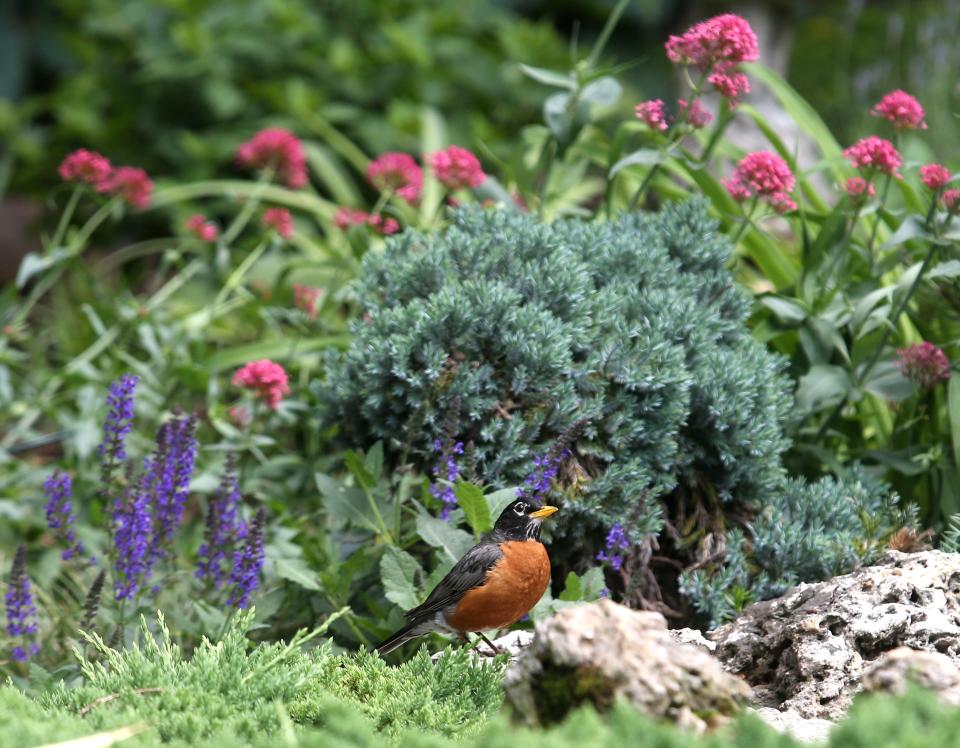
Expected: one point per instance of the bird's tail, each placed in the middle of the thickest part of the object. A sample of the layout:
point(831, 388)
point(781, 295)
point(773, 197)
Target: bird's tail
point(400, 638)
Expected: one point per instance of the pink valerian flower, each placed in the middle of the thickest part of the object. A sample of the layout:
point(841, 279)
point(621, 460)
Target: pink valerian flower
point(924, 364)
point(239, 416)
point(765, 175)
point(715, 47)
point(200, 227)
point(85, 166)
point(305, 298)
point(383, 224)
point(131, 184)
point(278, 148)
point(859, 188)
point(457, 168)
point(397, 172)
point(693, 113)
point(934, 176)
point(280, 220)
point(267, 379)
point(875, 154)
point(345, 217)
point(653, 113)
point(902, 110)
point(951, 200)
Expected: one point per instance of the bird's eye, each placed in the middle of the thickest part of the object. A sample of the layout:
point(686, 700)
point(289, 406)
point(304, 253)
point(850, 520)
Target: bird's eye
point(520, 508)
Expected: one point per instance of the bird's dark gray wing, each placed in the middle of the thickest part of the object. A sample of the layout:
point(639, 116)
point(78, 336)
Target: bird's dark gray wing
point(469, 572)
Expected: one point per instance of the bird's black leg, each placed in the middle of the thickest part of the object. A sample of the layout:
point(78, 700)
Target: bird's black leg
point(493, 647)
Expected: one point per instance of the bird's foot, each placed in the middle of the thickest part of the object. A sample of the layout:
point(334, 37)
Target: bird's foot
point(493, 647)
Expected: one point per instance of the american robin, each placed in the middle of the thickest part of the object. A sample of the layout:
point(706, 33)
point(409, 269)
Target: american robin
point(494, 585)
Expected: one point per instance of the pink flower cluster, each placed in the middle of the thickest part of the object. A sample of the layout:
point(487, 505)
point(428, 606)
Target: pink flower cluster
point(951, 200)
point(305, 298)
point(924, 364)
point(397, 172)
point(872, 154)
point(693, 113)
point(715, 47)
point(200, 227)
point(765, 175)
point(89, 167)
point(859, 189)
point(902, 110)
point(457, 168)
point(280, 220)
point(934, 176)
point(267, 379)
point(277, 148)
point(347, 217)
point(653, 113)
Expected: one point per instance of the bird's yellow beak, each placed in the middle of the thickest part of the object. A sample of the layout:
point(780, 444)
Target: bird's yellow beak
point(544, 511)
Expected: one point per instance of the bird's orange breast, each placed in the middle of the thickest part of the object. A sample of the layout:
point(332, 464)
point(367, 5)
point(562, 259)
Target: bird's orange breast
point(514, 585)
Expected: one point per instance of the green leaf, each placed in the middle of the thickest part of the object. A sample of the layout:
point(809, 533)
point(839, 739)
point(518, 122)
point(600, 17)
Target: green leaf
point(327, 167)
point(275, 350)
point(602, 92)
point(824, 385)
point(953, 409)
point(548, 77)
point(398, 573)
point(345, 503)
point(948, 269)
point(374, 460)
point(786, 311)
point(641, 157)
point(555, 114)
point(298, 571)
point(887, 381)
point(866, 305)
point(358, 468)
point(474, 505)
point(34, 263)
point(911, 228)
point(439, 534)
point(500, 500)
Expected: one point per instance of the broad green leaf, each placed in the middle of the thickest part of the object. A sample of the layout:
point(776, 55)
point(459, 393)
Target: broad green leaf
point(374, 460)
point(475, 507)
point(886, 381)
point(356, 466)
point(785, 310)
point(451, 540)
point(602, 92)
point(34, 263)
point(948, 269)
point(500, 500)
point(298, 571)
point(398, 572)
point(345, 503)
point(824, 385)
point(899, 460)
point(866, 305)
point(556, 116)
point(329, 170)
point(641, 157)
point(911, 228)
point(571, 588)
point(549, 77)
point(592, 582)
point(831, 231)
point(953, 409)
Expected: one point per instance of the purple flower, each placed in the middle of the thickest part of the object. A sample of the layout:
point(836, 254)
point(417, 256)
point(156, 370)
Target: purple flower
point(60, 517)
point(537, 484)
point(132, 525)
point(222, 529)
point(21, 612)
point(117, 425)
point(167, 474)
point(446, 469)
point(617, 540)
point(247, 564)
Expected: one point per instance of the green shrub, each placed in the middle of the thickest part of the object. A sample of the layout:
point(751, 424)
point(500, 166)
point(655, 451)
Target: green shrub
point(514, 330)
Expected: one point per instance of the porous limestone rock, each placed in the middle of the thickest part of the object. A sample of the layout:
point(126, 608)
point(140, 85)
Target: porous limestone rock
point(892, 672)
point(812, 730)
point(598, 652)
point(808, 650)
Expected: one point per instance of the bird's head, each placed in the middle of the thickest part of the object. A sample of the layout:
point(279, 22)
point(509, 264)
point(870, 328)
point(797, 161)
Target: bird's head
point(521, 521)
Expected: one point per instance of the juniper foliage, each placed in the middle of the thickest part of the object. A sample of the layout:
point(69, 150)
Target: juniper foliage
point(635, 324)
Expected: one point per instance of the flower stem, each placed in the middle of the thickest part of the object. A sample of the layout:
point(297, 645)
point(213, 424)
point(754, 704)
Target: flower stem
point(66, 216)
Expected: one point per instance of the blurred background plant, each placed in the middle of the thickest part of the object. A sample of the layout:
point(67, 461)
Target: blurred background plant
point(256, 254)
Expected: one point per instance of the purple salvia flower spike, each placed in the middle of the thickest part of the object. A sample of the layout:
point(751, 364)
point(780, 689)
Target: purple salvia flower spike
point(132, 526)
point(21, 612)
point(222, 528)
point(117, 425)
point(60, 516)
point(247, 564)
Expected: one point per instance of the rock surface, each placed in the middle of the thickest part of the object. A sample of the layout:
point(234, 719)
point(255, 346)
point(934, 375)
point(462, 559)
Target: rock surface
point(893, 671)
point(812, 730)
point(600, 651)
point(808, 650)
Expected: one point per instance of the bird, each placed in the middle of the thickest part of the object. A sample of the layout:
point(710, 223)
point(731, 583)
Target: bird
point(494, 585)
